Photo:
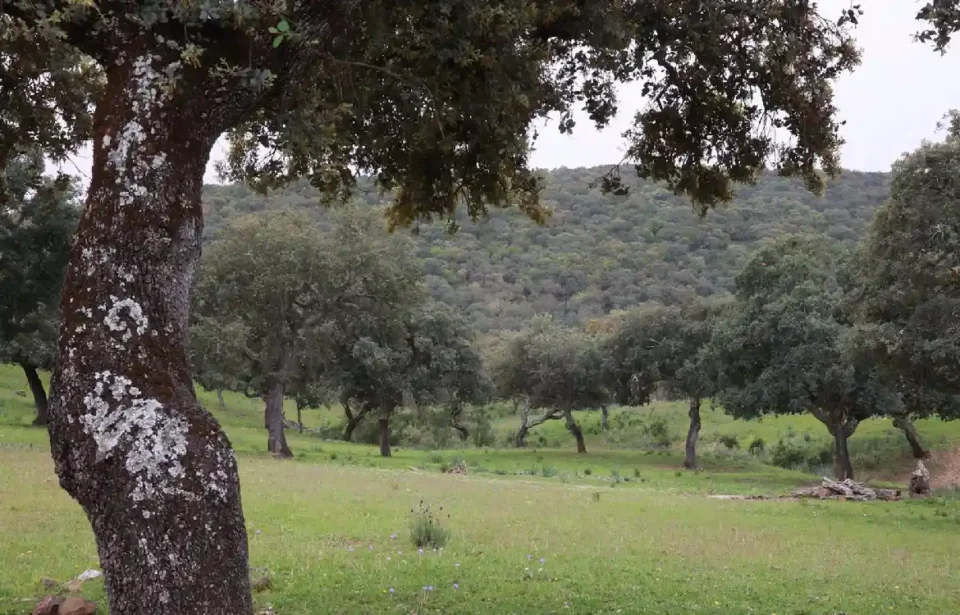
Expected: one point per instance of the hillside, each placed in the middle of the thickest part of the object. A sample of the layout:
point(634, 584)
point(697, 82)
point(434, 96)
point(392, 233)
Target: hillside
point(599, 252)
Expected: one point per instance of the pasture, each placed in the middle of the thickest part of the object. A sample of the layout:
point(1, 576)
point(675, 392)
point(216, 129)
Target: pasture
point(634, 535)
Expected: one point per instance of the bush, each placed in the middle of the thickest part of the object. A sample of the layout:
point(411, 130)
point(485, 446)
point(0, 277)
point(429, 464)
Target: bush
point(657, 432)
point(588, 472)
point(730, 442)
point(795, 454)
point(549, 471)
point(757, 446)
point(425, 528)
point(481, 432)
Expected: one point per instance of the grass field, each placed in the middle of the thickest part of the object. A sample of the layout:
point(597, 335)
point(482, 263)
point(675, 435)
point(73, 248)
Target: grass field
point(650, 542)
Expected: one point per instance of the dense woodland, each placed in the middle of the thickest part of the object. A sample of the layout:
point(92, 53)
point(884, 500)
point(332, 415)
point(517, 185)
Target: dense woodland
point(598, 252)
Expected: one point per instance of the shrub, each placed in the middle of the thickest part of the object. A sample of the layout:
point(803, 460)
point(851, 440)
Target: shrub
point(793, 453)
point(731, 442)
point(482, 433)
point(588, 472)
point(636, 472)
point(757, 446)
point(657, 432)
point(436, 458)
point(549, 471)
point(425, 528)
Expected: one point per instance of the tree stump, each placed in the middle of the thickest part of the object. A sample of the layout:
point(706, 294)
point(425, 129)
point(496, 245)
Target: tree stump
point(920, 481)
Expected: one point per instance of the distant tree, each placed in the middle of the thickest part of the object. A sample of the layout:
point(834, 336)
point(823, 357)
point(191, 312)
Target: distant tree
point(784, 347)
point(218, 351)
point(555, 369)
point(905, 283)
point(36, 224)
point(660, 347)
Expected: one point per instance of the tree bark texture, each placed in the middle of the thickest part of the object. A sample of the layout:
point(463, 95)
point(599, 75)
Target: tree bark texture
point(39, 394)
point(843, 468)
point(693, 435)
point(574, 428)
point(909, 430)
point(273, 420)
point(151, 468)
point(384, 429)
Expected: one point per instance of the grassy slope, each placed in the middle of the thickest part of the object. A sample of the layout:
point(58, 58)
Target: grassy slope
point(653, 545)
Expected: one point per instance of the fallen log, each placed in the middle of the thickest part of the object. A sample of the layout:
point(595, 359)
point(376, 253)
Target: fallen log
point(846, 490)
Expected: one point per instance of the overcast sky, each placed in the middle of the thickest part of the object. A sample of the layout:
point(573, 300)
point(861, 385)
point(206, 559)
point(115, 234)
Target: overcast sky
point(891, 103)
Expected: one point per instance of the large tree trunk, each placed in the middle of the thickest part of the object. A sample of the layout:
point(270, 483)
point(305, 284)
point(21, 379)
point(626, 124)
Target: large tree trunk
point(223, 405)
point(604, 418)
point(463, 430)
point(273, 420)
point(693, 434)
point(904, 424)
point(384, 428)
point(574, 428)
point(39, 394)
point(150, 466)
point(843, 469)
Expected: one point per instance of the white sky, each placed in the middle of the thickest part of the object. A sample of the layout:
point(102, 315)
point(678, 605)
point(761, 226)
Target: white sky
point(891, 102)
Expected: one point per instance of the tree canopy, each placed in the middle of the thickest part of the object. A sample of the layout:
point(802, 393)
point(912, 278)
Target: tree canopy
point(785, 347)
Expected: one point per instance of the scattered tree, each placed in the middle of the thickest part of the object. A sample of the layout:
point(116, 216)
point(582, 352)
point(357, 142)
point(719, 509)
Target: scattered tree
point(555, 369)
point(661, 348)
point(784, 347)
point(36, 223)
point(905, 283)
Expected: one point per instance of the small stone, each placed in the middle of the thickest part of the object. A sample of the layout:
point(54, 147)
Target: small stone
point(50, 605)
point(260, 584)
point(77, 606)
point(920, 481)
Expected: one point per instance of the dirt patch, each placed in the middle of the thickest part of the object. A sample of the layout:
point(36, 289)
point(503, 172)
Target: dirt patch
point(945, 469)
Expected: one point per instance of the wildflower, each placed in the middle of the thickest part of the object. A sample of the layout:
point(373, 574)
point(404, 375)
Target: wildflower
point(391, 590)
point(428, 588)
point(456, 586)
point(420, 551)
point(350, 548)
point(543, 561)
point(371, 548)
point(456, 564)
point(529, 557)
point(393, 536)
point(388, 558)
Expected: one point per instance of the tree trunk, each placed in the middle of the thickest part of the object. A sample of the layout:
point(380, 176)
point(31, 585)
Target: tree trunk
point(299, 418)
point(524, 429)
point(273, 419)
point(463, 430)
point(39, 394)
point(150, 466)
point(693, 434)
point(604, 418)
point(904, 424)
point(353, 420)
point(223, 405)
point(843, 469)
point(384, 422)
point(574, 428)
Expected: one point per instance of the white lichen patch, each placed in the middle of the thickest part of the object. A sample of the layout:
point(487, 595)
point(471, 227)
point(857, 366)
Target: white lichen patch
point(148, 89)
point(121, 421)
point(120, 312)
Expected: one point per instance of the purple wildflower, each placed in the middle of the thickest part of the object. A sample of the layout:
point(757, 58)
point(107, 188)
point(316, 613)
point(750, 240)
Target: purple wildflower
point(391, 590)
point(456, 586)
point(393, 536)
point(542, 561)
point(420, 551)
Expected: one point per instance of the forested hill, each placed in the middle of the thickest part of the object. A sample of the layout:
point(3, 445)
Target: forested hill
point(599, 252)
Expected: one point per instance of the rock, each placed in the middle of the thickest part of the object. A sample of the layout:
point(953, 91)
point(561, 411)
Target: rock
point(86, 575)
point(920, 481)
point(77, 606)
point(846, 490)
point(50, 605)
point(48, 583)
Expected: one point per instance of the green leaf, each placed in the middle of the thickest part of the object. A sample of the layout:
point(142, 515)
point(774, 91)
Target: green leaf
point(283, 26)
point(277, 40)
